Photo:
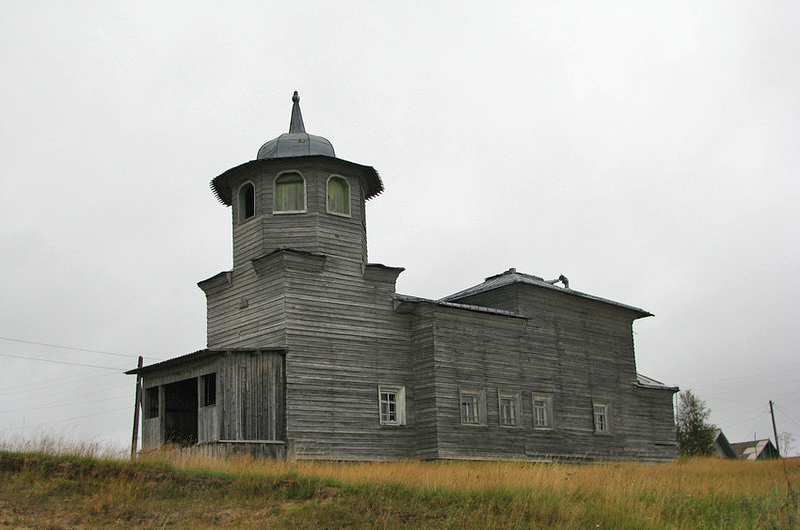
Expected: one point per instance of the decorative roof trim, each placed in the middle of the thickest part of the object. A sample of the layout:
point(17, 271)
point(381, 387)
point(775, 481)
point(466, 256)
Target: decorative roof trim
point(224, 194)
point(296, 124)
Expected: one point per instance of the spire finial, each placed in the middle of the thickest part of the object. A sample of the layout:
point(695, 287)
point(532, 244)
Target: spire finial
point(296, 125)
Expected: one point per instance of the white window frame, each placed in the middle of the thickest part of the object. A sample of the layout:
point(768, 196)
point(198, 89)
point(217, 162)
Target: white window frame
point(478, 397)
point(514, 398)
point(349, 197)
point(548, 408)
point(601, 417)
point(399, 393)
point(275, 189)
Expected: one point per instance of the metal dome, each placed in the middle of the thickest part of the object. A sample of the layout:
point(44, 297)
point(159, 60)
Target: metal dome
point(297, 142)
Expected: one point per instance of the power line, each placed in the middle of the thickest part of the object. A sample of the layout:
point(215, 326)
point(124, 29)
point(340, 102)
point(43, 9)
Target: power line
point(54, 397)
point(64, 419)
point(54, 405)
point(31, 386)
point(59, 362)
point(76, 349)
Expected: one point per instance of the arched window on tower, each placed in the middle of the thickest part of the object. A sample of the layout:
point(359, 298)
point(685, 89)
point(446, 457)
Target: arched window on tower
point(338, 196)
point(247, 201)
point(290, 193)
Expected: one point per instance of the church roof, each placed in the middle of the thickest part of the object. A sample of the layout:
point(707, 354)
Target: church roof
point(511, 276)
point(297, 142)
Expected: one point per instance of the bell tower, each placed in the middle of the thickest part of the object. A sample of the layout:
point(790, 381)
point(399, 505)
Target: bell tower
point(297, 195)
point(299, 233)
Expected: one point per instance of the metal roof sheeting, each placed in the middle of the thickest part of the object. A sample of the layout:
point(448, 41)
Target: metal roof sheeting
point(511, 276)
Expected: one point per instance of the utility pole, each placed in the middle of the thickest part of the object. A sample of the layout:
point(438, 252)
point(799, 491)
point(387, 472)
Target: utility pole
point(774, 430)
point(136, 406)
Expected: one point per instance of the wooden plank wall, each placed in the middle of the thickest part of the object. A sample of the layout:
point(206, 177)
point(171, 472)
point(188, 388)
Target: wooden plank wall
point(208, 422)
point(579, 351)
point(424, 377)
point(344, 340)
point(313, 230)
point(252, 405)
point(248, 312)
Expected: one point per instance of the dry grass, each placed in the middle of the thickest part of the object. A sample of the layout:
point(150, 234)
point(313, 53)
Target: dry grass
point(183, 490)
point(52, 444)
point(697, 493)
point(701, 476)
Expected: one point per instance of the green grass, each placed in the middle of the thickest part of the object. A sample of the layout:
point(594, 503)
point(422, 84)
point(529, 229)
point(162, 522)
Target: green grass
point(60, 492)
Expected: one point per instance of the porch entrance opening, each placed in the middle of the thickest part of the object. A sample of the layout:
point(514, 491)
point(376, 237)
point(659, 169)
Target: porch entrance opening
point(180, 412)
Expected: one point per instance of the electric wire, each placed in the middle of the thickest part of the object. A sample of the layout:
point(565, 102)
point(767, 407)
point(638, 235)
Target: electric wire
point(27, 358)
point(127, 355)
point(55, 405)
point(63, 420)
point(49, 383)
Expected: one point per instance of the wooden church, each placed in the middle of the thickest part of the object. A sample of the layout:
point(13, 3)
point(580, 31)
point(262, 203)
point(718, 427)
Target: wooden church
point(311, 352)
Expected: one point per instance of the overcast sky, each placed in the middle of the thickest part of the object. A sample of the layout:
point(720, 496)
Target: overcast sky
point(648, 151)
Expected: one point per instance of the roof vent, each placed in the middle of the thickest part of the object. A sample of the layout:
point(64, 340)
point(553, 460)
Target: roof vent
point(563, 279)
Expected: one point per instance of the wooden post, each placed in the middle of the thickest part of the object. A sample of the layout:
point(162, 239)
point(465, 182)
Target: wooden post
point(136, 406)
point(774, 430)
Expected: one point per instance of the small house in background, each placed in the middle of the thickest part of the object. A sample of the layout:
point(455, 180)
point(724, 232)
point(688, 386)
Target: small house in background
point(312, 351)
point(722, 448)
point(756, 450)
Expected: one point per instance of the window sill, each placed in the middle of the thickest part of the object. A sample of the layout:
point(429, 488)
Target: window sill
point(289, 212)
point(337, 214)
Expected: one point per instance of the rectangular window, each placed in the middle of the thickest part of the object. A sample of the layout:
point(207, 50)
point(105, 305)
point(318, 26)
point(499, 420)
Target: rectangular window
point(151, 402)
point(473, 406)
point(392, 405)
point(209, 390)
point(602, 418)
point(542, 411)
point(508, 407)
point(469, 408)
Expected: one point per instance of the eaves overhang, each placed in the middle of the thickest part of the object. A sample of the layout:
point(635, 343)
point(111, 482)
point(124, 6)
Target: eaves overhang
point(401, 300)
point(199, 355)
point(642, 381)
point(222, 189)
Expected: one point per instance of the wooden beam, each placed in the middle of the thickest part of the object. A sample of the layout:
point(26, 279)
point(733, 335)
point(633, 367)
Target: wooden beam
point(136, 406)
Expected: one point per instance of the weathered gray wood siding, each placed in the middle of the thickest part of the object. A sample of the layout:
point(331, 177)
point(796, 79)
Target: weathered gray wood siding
point(654, 415)
point(249, 403)
point(152, 437)
point(153, 428)
point(578, 351)
point(252, 404)
point(344, 339)
point(245, 309)
point(314, 230)
point(208, 422)
point(424, 376)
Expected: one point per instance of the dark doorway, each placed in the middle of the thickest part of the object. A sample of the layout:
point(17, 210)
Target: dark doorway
point(180, 414)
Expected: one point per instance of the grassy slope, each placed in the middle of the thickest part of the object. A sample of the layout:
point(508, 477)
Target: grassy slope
point(38, 491)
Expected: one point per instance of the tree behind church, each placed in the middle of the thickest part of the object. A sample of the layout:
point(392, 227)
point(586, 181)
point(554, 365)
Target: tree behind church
point(695, 433)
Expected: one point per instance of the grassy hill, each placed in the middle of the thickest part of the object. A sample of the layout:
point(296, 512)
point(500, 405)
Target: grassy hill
point(165, 491)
